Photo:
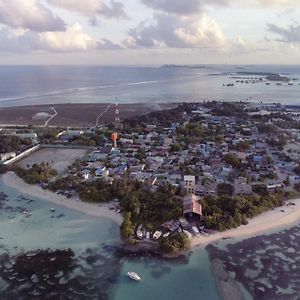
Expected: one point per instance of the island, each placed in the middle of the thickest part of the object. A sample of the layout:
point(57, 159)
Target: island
point(172, 178)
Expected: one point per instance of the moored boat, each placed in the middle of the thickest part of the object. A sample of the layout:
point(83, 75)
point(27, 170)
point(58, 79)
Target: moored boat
point(134, 276)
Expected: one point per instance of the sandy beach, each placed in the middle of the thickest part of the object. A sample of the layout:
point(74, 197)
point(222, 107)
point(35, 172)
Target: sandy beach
point(264, 223)
point(10, 179)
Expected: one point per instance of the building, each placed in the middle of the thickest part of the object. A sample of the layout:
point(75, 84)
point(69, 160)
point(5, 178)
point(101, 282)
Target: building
point(191, 207)
point(241, 187)
point(7, 156)
point(189, 183)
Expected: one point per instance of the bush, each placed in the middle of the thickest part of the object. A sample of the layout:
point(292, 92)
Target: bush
point(173, 243)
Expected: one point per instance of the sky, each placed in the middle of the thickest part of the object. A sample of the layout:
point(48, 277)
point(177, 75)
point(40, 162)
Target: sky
point(149, 32)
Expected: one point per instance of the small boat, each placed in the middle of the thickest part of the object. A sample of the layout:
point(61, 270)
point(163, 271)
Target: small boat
point(52, 209)
point(157, 235)
point(166, 234)
point(148, 235)
point(187, 233)
point(134, 276)
point(139, 234)
point(196, 230)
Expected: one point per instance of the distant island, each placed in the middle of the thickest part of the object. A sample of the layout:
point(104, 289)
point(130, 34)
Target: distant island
point(267, 75)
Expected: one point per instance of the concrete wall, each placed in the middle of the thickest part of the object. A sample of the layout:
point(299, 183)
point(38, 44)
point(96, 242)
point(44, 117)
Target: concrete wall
point(21, 155)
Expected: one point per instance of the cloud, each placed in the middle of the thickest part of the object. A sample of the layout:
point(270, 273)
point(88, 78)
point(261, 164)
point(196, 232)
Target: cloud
point(179, 7)
point(287, 35)
point(74, 39)
point(177, 32)
point(189, 7)
point(29, 14)
point(92, 8)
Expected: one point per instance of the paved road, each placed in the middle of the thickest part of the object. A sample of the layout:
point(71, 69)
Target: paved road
point(53, 116)
point(99, 117)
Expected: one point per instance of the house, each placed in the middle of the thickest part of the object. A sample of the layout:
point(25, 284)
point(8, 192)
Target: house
point(7, 156)
point(191, 206)
point(189, 183)
point(101, 172)
point(86, 174)
point(241, 187)
point(69, 135)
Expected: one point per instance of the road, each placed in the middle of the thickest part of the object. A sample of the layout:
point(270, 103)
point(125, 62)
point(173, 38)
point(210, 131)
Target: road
point(99, 117)
point(53, 116)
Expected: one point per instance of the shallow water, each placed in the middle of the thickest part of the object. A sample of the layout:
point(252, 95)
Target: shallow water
point(97, 267)
point(267, 266)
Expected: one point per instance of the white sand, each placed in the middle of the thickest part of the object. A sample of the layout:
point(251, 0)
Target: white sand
point(264, 223)
point(10, 179)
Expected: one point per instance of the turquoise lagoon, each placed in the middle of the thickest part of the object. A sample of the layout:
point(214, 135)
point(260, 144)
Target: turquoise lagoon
point(27, 224)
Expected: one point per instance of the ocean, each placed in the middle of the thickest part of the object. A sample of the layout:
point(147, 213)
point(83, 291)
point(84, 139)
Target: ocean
point(29, 85)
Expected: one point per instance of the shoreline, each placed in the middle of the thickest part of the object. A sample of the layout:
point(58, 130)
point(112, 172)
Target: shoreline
point(264, 223)
point(11, 180)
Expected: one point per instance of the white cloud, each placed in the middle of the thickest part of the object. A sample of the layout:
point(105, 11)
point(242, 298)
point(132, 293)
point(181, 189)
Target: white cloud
point(287, 35)
point(188, 7)
point(29, 14)
point(92, 8)
point(177, 32)
point(179, 7)
point(74, 39)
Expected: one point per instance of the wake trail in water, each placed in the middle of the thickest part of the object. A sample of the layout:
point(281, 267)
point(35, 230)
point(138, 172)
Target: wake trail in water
point(83, 90)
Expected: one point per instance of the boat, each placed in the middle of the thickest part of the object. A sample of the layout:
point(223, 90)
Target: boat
point(195, 230)
point(187, 233)
point(157, 235)
point(268, 83)
point(139, 234)
point(52, 209)
point(147, 235)
point(134, 276)
point(166, 234)
point(290, 83)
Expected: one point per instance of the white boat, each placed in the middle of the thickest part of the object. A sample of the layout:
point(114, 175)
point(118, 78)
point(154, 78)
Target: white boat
point(157, 235)
point(148, 235)
point(188, 234)
point(195, 229)
point(139, 234)
point(134, 276)
point(166, 234)
point(52, 209)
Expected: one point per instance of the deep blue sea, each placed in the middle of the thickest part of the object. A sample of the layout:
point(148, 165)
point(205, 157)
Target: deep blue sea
point(26, 85)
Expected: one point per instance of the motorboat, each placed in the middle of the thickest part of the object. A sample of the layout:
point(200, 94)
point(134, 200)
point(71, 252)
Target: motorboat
point(157, 235)
point(187, 233)
point(134, 276)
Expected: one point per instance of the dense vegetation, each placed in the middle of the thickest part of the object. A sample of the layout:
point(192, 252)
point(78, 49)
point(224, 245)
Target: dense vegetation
point(138, 203)
point(9, 143)
point(225, 212)
point(174, 243)
point(38, 173)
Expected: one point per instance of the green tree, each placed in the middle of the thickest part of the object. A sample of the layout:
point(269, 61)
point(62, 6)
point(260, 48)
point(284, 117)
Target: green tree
point(233, 160)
